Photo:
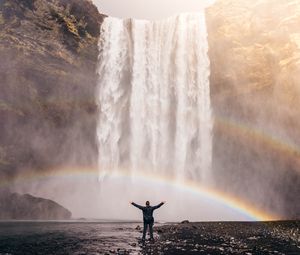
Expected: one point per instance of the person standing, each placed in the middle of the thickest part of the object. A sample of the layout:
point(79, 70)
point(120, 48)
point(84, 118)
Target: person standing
point(148, 217)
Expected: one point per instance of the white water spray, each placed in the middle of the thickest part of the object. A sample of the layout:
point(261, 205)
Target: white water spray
point(154, 97)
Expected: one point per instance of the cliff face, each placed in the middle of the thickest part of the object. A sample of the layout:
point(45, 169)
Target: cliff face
point(48, 55)
point(27, 207)
point(255, 62)
point(255, 50)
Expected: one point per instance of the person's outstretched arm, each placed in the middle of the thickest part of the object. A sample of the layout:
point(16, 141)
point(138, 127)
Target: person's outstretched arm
point(159, 205)
point(136, 205)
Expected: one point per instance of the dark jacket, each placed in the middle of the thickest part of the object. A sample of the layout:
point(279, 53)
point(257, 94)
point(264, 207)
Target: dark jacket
point(148, 212)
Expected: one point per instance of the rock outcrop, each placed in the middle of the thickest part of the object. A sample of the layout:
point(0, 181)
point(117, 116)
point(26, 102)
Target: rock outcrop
point(26, 207)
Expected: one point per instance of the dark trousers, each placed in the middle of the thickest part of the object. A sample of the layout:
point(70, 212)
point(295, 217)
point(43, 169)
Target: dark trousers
point(146, 225)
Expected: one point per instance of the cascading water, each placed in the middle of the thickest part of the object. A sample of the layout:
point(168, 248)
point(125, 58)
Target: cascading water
point(154, 97)
point(155, 119)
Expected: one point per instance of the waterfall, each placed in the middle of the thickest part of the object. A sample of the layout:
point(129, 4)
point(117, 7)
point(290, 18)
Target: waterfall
point(154, 97)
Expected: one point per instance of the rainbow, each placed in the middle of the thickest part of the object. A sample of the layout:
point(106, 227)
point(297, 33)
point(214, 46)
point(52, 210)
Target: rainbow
point(211, 194)
point(254, 136)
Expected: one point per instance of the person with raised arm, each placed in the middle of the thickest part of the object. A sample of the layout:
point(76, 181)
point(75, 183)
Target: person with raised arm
point(148, 217)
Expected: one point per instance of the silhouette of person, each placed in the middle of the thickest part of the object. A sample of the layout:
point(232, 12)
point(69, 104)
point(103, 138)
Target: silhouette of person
point(148, 217)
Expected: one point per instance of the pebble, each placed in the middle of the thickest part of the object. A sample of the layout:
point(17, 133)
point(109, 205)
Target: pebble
point(253, 238)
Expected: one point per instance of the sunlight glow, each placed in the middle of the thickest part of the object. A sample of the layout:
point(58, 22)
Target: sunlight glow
point(145, 9)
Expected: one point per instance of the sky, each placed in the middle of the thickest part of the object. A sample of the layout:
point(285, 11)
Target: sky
point(149, 9)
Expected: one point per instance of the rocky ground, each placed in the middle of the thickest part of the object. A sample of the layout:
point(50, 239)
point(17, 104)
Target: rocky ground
point(214, 238)
point(227, 238)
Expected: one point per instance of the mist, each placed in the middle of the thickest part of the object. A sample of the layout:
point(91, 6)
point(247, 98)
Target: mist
point(150, 10)
point(107, 206)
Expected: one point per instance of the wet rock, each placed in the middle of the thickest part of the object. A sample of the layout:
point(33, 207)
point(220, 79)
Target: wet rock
point(122, 252)
point(253, 238)
point(185, 222)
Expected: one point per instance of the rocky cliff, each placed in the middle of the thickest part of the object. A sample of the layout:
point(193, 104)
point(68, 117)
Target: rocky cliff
point(26, 207)
point(255, 64)
point(48, 52)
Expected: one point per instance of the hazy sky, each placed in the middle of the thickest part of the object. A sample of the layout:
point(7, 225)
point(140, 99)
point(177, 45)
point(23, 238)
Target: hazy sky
point(149, 9)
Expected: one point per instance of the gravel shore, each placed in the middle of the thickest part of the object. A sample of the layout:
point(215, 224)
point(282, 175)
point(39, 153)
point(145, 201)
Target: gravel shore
point(226, 238)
